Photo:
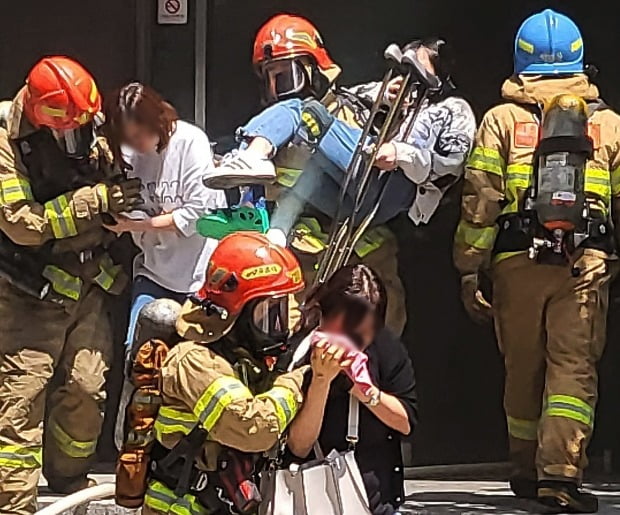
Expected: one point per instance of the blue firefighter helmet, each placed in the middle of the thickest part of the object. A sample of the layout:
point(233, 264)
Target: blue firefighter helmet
point(548, 43)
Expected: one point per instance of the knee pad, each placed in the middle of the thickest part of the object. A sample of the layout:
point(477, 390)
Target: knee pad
point(315, 122)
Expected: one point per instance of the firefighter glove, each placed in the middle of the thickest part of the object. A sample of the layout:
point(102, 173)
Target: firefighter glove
point(122, 196)
point(477, 307)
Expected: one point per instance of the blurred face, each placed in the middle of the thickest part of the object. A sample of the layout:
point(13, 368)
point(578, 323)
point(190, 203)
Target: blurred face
point(363, 335)
point(139, 137)
point(424, 56)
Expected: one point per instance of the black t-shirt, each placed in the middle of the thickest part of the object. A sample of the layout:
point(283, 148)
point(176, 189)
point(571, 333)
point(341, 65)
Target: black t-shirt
point(378, 450)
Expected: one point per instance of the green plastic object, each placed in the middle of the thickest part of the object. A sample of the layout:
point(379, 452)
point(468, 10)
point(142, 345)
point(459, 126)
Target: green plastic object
point(222, 222)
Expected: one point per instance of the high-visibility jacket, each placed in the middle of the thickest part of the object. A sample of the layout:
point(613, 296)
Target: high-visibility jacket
point(39, 207)
point(198, 386)
point(500, 168)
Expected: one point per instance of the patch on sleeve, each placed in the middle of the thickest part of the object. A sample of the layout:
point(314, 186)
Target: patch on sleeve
point(594, 131)
point(526, 134)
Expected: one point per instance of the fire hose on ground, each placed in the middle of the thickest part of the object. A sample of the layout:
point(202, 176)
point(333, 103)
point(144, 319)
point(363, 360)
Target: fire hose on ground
point(94, 493)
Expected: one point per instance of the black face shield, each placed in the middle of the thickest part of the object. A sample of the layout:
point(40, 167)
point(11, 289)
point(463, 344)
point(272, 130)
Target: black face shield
point(76, 143)
point(284, 78)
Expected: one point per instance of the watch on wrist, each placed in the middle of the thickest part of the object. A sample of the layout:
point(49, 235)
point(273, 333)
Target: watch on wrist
point(374, 399)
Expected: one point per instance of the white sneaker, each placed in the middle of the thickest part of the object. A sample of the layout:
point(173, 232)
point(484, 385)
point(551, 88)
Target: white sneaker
point(239, 169)
point(277, 237)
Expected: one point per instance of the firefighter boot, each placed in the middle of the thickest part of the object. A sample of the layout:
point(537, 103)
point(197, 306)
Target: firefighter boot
point(524, 488)
point(565, 497)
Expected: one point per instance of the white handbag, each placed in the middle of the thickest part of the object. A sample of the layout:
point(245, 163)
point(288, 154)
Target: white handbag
point(329, 485)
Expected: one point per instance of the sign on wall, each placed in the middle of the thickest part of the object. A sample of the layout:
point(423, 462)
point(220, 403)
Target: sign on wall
point(171, 12)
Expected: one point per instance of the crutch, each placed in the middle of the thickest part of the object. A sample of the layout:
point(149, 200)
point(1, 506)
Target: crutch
point(343, 235)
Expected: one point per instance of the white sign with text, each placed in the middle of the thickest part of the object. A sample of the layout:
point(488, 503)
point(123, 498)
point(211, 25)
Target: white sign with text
point(171, 12)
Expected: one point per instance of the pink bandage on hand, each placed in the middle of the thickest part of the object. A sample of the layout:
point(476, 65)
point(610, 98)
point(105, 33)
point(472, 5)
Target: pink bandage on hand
point(357, 371)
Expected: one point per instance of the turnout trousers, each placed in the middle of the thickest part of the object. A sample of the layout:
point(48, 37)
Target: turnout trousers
point(53, 361)
point(550, 324)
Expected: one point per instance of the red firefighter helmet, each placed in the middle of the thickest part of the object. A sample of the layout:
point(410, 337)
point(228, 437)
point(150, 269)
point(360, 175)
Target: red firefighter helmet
point(247, 274)
point(291, 60)
point(288, 36)
point(61, 94)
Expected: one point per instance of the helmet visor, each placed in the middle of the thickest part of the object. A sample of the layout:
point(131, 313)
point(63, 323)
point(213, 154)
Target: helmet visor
point(270, 316)
point(76, 143)
point(284, 78)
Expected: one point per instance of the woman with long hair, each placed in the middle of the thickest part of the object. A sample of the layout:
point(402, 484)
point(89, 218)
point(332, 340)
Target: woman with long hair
point(171, 157)
point(352, 305)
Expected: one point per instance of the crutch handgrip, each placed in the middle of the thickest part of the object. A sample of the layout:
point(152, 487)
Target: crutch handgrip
point(430, 82)
point(393, 53)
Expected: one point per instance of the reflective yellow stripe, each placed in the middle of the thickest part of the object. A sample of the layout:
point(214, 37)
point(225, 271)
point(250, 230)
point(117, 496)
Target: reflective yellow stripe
point(161, 498)
point(108, 272)
point(570, 407)
point(523, 429)
point(479, 237)
point(309, 231)
point(15, 189)
point(598, 182)
point(285, 403)
point(62, 282)
point(576, 45)
point(615, 182)
point(53, 111)
point(487, 160)
point(170, 421)
point(526, 46)
point(15, 457)
point(519, 176)
point(60, 217)
point(287, 177)
point(371, 240)
point(68, 445)
point(221, 393)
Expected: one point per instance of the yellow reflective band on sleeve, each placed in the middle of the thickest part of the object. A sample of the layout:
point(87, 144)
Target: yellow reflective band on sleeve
point(285, 403)
point(15, 457)
point(161, 498)
point(526, 46)
point(487, 160)
point(523, 429)
point(481, 238)
point(108, 272)
point(60, 217)
point(570, 407)
point(15, 189)
point(615, 182)
point(217, 397)
point(371, 240)
point(598, 182)
point(68, 445)
point(287, 177)
point(170, 421)
point(519, 176)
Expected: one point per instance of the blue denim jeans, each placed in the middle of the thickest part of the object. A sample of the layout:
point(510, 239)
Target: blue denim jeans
point(280, 123)
point(320, 183)
point(143, 291)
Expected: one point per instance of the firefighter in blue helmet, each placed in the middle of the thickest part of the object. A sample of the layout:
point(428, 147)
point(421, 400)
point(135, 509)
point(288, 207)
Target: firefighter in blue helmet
point(540, 203)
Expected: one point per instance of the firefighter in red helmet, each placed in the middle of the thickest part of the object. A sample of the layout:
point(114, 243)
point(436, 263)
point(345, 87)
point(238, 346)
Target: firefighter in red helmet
point(56, 181)
point(295, 68)
point(222, 403)
point(291, 60)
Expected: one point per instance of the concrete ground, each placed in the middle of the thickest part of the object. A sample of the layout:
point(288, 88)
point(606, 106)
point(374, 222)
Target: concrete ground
point(431, 497)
